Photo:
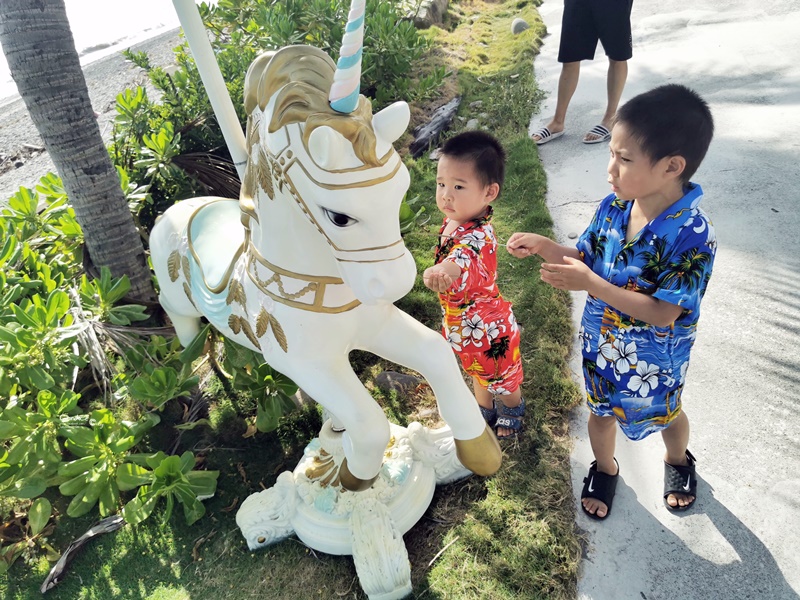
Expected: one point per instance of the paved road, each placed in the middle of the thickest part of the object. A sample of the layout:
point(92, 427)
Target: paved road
point(743, 387)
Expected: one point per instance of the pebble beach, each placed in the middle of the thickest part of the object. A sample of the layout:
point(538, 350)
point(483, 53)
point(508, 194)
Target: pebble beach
point(23, 160)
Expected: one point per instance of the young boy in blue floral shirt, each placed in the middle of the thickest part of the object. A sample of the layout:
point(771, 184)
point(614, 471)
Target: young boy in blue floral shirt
point(645, 261)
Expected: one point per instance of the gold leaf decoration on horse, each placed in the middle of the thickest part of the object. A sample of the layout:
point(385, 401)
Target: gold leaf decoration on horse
point(265, 174)
point(253, 136)
point(236, 293)
point(174, 265)
point(249, 183)
point(324, 470)
point(186, 272)
point(277, 173)
point(188, 291)
point(248, 332)
point(262, 323)
point(235, 323)
point(277, 331)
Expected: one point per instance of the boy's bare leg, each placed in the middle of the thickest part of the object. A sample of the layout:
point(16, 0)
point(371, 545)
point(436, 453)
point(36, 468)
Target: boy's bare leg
point(567, 84)
point(603, 437)
point(676, 439)
point(482, 395)
point(615, 83)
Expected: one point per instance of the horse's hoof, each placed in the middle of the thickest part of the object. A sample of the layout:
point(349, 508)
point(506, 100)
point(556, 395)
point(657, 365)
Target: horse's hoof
point(481, 455)
point(352, 483)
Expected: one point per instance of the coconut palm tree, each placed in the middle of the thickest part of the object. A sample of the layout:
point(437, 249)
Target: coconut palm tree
point(687, 269)
point(38, 44)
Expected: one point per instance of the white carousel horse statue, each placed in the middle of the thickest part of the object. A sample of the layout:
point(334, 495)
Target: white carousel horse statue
point(304, 268)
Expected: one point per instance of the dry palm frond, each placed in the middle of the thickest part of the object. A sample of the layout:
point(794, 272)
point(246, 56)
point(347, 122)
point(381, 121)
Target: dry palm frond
point(217, 175)
point(102, 369)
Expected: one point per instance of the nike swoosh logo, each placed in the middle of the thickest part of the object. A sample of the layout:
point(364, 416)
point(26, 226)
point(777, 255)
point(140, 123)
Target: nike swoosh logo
point(591, 482)
point(688, 483)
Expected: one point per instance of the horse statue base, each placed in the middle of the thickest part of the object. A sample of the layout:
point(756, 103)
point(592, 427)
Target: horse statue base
point(369, 525)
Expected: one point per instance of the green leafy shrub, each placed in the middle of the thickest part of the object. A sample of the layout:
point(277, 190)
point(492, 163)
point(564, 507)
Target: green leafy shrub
point(92, 478)
point(169, 477)
point(26, 533)
point(53, 320)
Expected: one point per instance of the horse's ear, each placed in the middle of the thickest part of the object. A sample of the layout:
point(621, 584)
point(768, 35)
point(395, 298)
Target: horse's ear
point(330, 150)
point(390, 123)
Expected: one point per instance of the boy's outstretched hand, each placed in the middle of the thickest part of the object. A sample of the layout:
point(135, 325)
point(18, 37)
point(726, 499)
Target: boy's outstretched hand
point(573, 275)
point(522, 245)
point(437, 279)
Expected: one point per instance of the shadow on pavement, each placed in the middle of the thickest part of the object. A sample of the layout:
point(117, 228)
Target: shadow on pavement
point(706, 553)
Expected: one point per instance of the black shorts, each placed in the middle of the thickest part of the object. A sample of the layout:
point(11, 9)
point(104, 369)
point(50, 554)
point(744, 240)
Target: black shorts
point(586, 21)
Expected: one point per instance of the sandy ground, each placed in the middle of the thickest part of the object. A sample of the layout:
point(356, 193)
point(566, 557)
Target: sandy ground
point(105, 78)
point(742, 398)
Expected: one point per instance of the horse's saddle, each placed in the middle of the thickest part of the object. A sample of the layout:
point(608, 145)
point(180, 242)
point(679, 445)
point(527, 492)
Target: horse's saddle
point(216, 240)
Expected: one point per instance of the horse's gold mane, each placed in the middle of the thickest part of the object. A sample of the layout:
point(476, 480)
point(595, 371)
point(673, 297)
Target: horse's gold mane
point(302, 77)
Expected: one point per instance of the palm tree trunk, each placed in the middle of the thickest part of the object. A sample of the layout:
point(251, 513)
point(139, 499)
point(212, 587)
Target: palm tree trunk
point(38, 44)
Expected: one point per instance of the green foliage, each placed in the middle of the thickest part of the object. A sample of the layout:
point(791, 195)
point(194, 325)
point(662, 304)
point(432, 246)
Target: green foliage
point(169, 477)
point(38, 353)
point(271, 390)
point(158, 385)
point(393, 49)
point(30, 437)
point(92, 477)
point(412, 214)
point(26, 536)
point(161, 373)
point(153, 140)
point(51, 321)
point(100, 298)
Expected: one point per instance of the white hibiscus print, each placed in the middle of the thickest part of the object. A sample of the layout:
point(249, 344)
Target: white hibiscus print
point(627, 357)
point(473, 330)
point(476, 239)
point(646, 379)
point(462, 258)
point(498, 389)
point(606, 352)
point(494, 329)
point(454, 338)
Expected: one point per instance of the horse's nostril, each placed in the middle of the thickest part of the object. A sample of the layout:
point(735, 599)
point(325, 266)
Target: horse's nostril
point(376, 288)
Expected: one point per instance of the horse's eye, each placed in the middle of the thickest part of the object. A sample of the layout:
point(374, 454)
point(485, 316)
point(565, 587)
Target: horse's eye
point(339, 219)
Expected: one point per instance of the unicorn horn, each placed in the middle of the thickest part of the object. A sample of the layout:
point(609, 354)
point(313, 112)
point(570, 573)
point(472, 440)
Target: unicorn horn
point(347, 79)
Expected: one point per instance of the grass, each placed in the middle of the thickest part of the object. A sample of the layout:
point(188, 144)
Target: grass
point(508, 536)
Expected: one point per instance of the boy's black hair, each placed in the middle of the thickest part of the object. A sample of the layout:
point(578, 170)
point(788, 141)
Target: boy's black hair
point(483, 150)
point(670, 120)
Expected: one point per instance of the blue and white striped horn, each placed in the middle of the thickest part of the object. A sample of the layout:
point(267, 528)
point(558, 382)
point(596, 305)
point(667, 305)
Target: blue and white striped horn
point(347, 79)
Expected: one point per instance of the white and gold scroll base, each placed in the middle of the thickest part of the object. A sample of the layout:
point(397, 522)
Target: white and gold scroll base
point(368, 525)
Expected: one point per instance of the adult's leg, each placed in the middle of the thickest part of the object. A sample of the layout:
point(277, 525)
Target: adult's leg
point(578, 42)
point(613, 21)
point(602, 437)
point(676, 440)
point(615, 84)
point(567, 84)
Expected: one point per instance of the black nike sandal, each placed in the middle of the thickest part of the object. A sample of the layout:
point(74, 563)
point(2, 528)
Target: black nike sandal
point(679, 479)
point(600, 486)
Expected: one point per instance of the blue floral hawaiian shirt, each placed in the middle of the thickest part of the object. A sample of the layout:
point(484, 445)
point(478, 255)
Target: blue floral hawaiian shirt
point(635, 370)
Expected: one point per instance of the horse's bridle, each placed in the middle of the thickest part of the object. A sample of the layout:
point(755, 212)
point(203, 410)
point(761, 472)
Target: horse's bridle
point(390, 165)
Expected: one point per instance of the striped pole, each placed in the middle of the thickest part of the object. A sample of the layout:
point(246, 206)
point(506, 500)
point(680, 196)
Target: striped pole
point(347, 79)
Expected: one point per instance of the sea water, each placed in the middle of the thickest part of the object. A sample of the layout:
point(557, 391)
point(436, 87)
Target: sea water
point(104, 27)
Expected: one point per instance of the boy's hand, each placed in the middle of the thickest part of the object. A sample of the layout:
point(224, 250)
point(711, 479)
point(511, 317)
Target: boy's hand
point(524, 244)
point(437, 279)
point(573, 275)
